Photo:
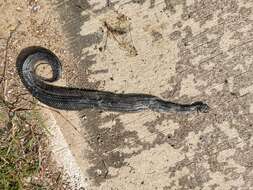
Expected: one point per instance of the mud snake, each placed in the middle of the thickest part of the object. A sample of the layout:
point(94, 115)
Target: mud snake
point(67, 98)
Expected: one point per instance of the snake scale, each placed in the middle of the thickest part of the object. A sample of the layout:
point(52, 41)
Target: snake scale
point(67, 98)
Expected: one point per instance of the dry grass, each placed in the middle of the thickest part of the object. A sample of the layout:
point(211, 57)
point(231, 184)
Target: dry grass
point(25, 161)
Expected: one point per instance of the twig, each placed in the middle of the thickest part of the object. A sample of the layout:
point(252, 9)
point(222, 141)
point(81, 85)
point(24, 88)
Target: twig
point(115, 30)
point(113, 33)
point(58, 112)
point(106, 39)
point(118, 31)
point(19, 97)
point(5, 58)
point(20, 109)
point(106, 169)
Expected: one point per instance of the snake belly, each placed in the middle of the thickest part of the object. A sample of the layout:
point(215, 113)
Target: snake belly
point(67, 98)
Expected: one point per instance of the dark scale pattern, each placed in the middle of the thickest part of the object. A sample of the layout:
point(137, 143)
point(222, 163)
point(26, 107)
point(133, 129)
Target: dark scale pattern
point(78, 99)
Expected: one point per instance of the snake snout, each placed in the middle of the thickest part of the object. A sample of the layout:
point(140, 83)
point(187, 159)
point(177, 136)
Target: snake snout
point(204, 108)
point(201, 107)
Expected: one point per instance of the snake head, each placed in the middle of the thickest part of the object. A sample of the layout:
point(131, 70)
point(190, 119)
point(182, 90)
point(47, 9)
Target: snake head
point(201, 107)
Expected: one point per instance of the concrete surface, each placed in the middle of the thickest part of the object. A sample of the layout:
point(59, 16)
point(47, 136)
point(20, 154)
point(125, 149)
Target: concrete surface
point(179, 50)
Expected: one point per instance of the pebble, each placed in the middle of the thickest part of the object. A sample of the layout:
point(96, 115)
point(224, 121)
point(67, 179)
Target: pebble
point(99, 172)
point(18, 9)
point(35, 8)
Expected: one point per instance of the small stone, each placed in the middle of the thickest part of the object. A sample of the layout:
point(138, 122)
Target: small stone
point(35, 8)
point(84, 117)
point(18, 9)
point(99, 172)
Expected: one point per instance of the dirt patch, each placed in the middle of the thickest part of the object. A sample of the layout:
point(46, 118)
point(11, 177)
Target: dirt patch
point(23, 24)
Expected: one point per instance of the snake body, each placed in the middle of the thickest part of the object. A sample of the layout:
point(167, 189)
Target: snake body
point(77, 99)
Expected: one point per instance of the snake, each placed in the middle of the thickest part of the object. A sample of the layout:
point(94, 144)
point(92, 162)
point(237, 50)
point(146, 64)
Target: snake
point(69, 98)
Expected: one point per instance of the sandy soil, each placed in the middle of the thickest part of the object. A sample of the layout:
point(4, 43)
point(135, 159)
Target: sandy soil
point(35, 23)
point(183, 51)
